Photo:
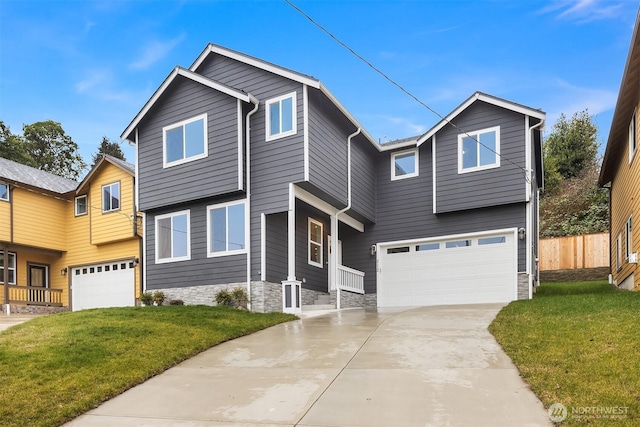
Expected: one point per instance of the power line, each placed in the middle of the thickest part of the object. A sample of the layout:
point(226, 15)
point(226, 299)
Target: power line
point(399, 86)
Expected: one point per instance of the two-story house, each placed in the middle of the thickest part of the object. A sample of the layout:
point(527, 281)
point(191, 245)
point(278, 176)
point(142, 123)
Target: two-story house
point(621, 172)
point(253, 175)
point(68, 245)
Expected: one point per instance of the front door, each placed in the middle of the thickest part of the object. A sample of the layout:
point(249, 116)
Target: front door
point(38, 278)
point(332, 283)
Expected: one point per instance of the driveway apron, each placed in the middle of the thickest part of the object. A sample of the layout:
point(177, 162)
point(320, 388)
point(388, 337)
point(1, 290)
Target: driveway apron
point(428, 366)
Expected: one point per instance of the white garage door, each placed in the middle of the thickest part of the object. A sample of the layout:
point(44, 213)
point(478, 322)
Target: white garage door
point(103, 285)
point(480, 268)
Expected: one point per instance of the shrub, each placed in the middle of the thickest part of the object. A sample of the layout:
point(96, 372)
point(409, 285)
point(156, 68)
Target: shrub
point(176, 302)
point(146, 298)
point(240, 297)
point(159, 297)
point(224, 297)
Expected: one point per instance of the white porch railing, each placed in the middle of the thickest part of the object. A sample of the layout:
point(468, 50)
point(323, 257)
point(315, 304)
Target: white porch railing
point(350, 280)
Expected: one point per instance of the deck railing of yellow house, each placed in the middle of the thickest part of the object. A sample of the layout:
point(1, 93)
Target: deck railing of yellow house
point(35, 295)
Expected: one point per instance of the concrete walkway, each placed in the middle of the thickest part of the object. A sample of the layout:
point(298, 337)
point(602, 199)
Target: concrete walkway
point(431, 366)
point(15, 319)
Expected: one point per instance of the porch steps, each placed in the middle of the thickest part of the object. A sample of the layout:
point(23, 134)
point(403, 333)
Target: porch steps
point(322, 302)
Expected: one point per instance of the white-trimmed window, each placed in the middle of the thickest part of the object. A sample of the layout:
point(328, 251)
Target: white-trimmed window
point(11, 268)
point(111, 197)
point(619, 252)
point(479, 150)
point(404, 164)
point(185, 141)
point(628, 237)
point(226, 229)
point(281, 116)
point(173, 238)
point(4, 191)
point(633, 136)
point(315, 242)
point(81, 205)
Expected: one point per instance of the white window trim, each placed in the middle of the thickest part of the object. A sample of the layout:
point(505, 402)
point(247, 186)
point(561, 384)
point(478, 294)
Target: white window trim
point(173, 259)
point(14, 268)
point(119, 197)
point(628, 237)
point(183, 123)
point(309, 242)
point(7, 185)
point(633, 135)
point(619, 252)
point(394, 177)
point(210, 253)
point(294, 118)
point(86, 204)
point(476, 135)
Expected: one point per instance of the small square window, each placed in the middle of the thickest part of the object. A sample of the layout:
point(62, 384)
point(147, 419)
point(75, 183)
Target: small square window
point(185, 141)
point(492, 240)
point(107, 268)
point(111, 197)
point(428, 247)
point(100, 269)
point(4, 191)
point(81, 205)
point(399, 250)
point(479, 150)
point(281, 116)
point(458, 244)
point(404, 164)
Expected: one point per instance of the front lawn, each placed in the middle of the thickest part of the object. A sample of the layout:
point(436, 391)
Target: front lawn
point(56, 367)
point(578, 344)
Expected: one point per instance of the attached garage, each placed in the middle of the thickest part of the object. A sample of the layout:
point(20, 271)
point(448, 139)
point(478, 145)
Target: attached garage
point(103, 285)
point(462, 269)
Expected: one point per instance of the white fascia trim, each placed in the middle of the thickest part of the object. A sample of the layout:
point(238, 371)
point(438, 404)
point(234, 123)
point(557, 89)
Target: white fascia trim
point(478, 96)
point(305, 115)
point(433, 168)
point(179, 71)
point(263, 247)
point(325, 207)
point(136, 187)
point(528, 188)
point(240, 146)
point(453, 237)
point(416, 164)
point(412, 143)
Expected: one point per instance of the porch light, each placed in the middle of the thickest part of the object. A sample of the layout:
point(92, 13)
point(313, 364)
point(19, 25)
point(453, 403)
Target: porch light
point(373, 250)
point(522, 233)
point(63, 272)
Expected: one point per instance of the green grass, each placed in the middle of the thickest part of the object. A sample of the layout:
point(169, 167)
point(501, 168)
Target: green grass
point(577, 344)
point(56, 367)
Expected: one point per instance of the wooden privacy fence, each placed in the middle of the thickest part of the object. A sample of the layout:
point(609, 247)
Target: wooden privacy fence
point(574, 252)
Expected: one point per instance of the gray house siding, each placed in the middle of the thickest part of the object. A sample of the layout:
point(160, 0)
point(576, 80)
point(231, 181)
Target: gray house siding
point(276, 247)
point(199, 270)
point(492, 187)
point(314, 278)
point(216, 174)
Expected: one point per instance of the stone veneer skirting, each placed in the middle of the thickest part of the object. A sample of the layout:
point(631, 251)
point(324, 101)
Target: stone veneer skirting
point(32, 309)
point(523, 286)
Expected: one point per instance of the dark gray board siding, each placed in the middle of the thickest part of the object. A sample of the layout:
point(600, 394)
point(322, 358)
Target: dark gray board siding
point(363, 179)
point(491, 187)
point(214, 175)
point(315, 278)
point(199, 270)
point(276, 247)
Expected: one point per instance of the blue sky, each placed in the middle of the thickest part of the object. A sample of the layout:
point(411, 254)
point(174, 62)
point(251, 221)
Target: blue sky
point(91, 65)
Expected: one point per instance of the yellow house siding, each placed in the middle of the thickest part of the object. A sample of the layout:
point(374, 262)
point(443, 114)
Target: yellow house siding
point(113, 226)
point(39, 220)
point(625, 201)
point(26, 257)
point(5, 221)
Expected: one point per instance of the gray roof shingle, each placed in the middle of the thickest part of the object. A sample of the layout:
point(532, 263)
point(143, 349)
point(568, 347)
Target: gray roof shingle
point(33, 177)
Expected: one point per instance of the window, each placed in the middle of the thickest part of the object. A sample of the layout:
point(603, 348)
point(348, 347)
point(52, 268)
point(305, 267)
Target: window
point(11, 269)
point(173, 242)
point(281, 116)
point(81, 205)
point(226, 229)
point(428, 247)
point(479, 150)
point(4, 191)
point(492, 240)
point(315, 242)
point(111, 197)
point(628, 237)
point(619, 252)
point(185, 141)
point(404, 164)
point(399, 250)
point(458, 244)
point(633, 144)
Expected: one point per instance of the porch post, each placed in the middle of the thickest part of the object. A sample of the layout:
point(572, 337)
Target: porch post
point(5, 278)
point(291, 288)
point(333, 254)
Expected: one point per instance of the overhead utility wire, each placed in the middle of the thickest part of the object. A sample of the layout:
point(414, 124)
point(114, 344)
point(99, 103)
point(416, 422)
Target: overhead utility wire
point(399, 86)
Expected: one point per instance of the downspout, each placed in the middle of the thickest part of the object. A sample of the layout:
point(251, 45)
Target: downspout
point(248, 187)
point(335, 240)
point(537, 214)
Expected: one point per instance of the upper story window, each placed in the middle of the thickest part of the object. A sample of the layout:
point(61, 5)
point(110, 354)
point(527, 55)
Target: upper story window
point(404, 164)
point(479, 150)
point(4, 191)
point(111, 197)
point(628, 235)
point(281, 116)
point(11, 268)
point(226, 229)
point(173, 240)
point(633, 136)
point(81, 205)
point(315, 242)
point(185, 141)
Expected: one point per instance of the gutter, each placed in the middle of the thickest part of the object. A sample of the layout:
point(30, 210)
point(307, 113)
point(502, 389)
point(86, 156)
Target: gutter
point(247, 214)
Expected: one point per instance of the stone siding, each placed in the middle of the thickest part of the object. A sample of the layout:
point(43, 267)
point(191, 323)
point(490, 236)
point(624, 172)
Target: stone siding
point(32, 309)
point(523, 286)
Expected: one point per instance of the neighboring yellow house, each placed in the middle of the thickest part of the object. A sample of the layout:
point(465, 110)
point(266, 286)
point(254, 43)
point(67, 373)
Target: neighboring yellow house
point(68, 245)
point(621, 171)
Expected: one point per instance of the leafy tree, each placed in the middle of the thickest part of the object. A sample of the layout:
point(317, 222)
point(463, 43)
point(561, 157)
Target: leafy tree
point(13, 147)
point(52, 149)
point(110, 148)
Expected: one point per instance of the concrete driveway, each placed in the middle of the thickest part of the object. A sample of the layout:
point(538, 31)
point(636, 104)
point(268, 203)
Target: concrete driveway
point(430, 366)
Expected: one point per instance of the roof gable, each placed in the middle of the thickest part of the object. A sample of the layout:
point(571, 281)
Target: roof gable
point(23, 174)
point(125, 166)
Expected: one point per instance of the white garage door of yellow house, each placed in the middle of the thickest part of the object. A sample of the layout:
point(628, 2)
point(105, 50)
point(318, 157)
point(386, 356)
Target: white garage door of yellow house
point(463, 269)
point(103, 285)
